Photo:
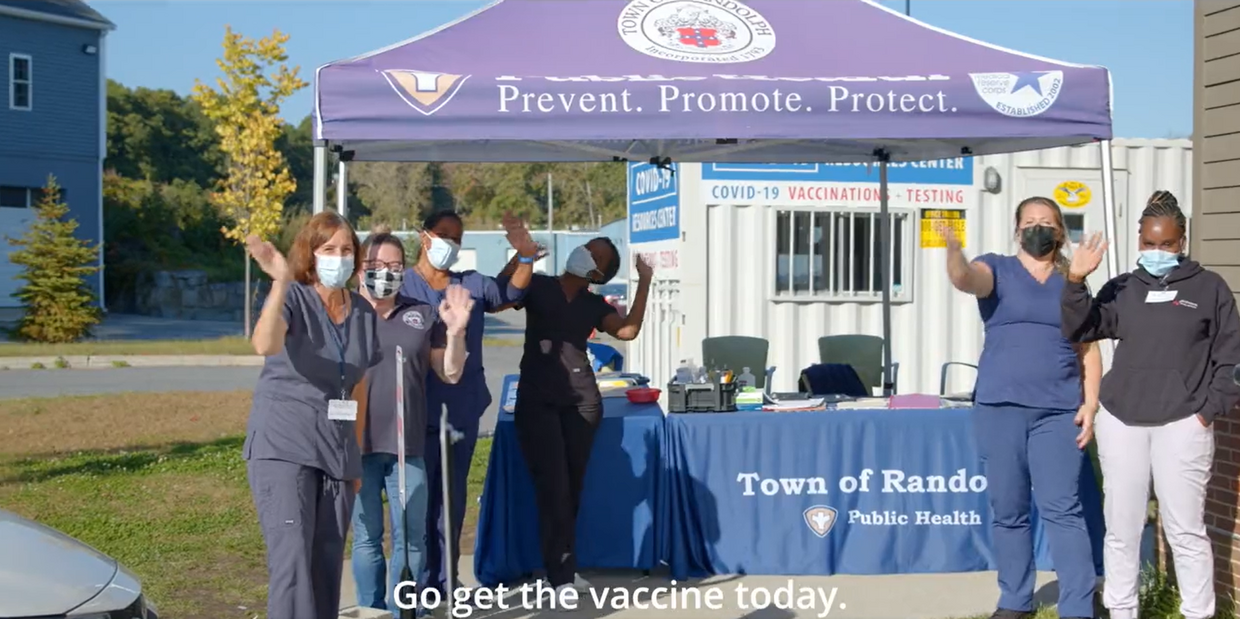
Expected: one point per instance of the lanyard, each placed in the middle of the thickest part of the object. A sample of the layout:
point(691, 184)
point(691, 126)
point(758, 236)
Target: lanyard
point(339, 335)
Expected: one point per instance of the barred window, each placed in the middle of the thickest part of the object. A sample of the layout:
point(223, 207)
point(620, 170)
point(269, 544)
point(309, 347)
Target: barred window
point(834, 254)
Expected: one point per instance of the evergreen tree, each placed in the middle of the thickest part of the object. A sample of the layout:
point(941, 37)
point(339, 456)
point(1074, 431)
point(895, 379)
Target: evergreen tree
point(57, 299)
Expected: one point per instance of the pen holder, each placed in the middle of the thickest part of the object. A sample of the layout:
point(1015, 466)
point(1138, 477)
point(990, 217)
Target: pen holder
point(701, 397)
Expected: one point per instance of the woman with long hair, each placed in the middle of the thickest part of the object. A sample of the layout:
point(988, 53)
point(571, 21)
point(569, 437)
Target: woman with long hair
point(319, 339)
point(559, 406)
point(1036, 398)
point(1179, 342)
point(432, 340)
point(428, 281)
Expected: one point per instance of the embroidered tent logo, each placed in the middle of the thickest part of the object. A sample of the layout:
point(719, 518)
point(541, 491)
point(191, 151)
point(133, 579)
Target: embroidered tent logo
point(424, 91)
point(820, 519)
point(696, 31)
point(1019, 95)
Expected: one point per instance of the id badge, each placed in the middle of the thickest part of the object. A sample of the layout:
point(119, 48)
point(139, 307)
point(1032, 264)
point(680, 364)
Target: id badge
point(342, 410)
point(1160, 296)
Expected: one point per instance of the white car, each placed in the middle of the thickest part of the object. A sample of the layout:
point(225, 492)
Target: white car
point(45, 573)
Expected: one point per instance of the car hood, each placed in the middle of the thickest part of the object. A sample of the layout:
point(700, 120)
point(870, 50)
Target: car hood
point(45, 572)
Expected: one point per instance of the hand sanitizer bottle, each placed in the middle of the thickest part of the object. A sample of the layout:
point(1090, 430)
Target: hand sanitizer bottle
point(746, 380)
point(684, 373)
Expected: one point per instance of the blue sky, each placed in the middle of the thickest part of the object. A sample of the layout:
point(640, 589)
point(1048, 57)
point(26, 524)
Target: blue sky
point(1147, 45)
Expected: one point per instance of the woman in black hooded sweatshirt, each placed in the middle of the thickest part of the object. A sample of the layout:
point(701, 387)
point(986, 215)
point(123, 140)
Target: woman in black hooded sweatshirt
point(1179, 340)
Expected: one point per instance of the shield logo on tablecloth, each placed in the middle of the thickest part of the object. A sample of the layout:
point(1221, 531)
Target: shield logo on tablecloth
point(820, 519)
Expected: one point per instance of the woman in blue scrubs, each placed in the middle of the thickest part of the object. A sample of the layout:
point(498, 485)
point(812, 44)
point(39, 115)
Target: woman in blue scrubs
point(469, 398)
point(1036, 398)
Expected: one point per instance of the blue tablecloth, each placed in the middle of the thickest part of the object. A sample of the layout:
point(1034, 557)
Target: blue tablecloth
point(762, 493)
point(616, 526)
point(835, 492)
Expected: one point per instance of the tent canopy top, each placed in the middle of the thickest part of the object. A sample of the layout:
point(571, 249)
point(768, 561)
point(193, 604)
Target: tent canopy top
point(701, 80)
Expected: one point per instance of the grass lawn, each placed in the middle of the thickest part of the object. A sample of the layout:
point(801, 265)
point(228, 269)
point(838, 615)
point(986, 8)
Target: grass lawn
point(157, 482)
point(221, 346)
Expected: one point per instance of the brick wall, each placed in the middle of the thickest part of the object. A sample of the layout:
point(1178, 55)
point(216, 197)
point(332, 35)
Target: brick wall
point(1223, 506)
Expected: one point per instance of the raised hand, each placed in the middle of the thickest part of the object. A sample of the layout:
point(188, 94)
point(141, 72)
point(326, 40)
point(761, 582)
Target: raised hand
point(269, 259)
point(456, 308)
point(519, 236)
point(1087, 256)
point(644, 269)
point(949, 237)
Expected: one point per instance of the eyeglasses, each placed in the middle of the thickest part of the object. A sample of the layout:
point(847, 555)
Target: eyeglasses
point(391, 266)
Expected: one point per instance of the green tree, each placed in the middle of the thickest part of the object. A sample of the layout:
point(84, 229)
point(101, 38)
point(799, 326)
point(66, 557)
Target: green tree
point(58, 302)
point(246, 111)
point(159, 136)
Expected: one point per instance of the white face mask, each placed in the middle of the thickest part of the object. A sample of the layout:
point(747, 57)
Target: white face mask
point(333, 271)
point(383, 283)
point(581, 263)
point(442, 253)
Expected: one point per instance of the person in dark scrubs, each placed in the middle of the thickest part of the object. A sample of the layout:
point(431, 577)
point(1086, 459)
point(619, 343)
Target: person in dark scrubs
point(432, 340)
point(1036, 397)
point(319, 339)
point(558, 404)
point(1179, 342)
point(469, 398)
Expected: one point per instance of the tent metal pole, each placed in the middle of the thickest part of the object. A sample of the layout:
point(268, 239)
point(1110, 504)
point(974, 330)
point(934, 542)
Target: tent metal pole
point(884, 265)
point(320, 179)
point(1108, 208)
point(342, 189)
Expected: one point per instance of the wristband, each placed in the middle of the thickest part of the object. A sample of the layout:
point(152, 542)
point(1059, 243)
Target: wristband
point(524, 260)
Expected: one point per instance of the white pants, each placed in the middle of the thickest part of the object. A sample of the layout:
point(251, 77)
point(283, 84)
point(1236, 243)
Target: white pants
point(1180, 455)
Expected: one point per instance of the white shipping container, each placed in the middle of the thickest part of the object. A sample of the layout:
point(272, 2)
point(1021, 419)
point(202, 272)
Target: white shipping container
point(786, 252)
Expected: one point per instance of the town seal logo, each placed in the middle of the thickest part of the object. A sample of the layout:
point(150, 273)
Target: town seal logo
point(716, 31)
point(413, 319)
point(1019, 95)
point(820, 519)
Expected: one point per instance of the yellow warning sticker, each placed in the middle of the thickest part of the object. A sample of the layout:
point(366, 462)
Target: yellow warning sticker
point(933, 219)
point(1072, 194)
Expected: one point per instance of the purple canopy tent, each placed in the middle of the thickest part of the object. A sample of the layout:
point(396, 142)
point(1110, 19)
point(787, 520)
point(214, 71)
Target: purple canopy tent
point(658, 81)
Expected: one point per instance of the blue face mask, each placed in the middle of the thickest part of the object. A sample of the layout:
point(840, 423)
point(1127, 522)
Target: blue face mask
point(1157, 262)
point(333, 271)
point(442, 253)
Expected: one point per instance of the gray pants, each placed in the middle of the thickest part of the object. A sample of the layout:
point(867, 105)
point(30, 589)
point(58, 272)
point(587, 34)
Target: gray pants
point(304, 515)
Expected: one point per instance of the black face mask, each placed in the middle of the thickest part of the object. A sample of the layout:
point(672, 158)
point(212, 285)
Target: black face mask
point(1038, 241)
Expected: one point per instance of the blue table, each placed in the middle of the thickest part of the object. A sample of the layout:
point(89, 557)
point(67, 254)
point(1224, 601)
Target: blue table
point(833, 492)
point(616, 526)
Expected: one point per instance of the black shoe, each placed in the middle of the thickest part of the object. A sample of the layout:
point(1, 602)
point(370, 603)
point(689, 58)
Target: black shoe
point(1004, 613)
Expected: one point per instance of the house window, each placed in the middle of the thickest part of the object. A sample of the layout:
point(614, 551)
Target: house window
point(21, 82)
point(22, 197)
point(834, 254)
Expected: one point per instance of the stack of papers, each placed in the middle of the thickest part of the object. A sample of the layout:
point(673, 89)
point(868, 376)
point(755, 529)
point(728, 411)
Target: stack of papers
point(795, 405)
point(863, 403)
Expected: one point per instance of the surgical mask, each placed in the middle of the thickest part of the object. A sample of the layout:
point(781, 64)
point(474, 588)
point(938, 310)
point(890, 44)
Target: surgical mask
point(383, 283)
point(442, 253)
point(1038, 241)
point(333, 271)
point(581, 263)
point(1157, 262)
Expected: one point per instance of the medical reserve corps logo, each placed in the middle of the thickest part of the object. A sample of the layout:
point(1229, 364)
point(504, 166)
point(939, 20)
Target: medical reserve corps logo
point(413, 319)
point(424, 91)
point(1019, 95)
point(820, 519)
point(716, 31)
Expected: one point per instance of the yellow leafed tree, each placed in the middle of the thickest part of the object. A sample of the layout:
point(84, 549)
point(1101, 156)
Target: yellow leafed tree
point(245, 107)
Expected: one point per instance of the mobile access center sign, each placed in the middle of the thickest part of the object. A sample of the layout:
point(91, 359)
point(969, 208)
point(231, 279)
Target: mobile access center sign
point(928, 184)
point(654, 216)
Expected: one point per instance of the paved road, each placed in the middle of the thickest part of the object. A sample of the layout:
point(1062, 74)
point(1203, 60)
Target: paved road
point(500, 361)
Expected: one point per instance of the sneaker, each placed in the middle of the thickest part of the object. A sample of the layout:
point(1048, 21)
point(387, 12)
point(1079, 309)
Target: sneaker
point(559, 595)
point(1004, 613)
point(581, 584)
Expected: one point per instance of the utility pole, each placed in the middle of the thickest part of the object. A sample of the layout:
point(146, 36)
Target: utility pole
point(550, 204)
point(908, 10)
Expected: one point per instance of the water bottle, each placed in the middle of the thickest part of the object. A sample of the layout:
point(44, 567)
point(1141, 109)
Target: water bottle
point(746, 380)
point(684, 373)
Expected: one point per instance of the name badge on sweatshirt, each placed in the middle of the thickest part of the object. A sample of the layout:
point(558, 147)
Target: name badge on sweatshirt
point(342, 410)
point(1160, 296)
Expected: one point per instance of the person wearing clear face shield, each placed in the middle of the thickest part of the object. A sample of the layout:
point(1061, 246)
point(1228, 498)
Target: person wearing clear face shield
point(1179, 341)
point(558, 404)
point(303, 462)
point(466, 401)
